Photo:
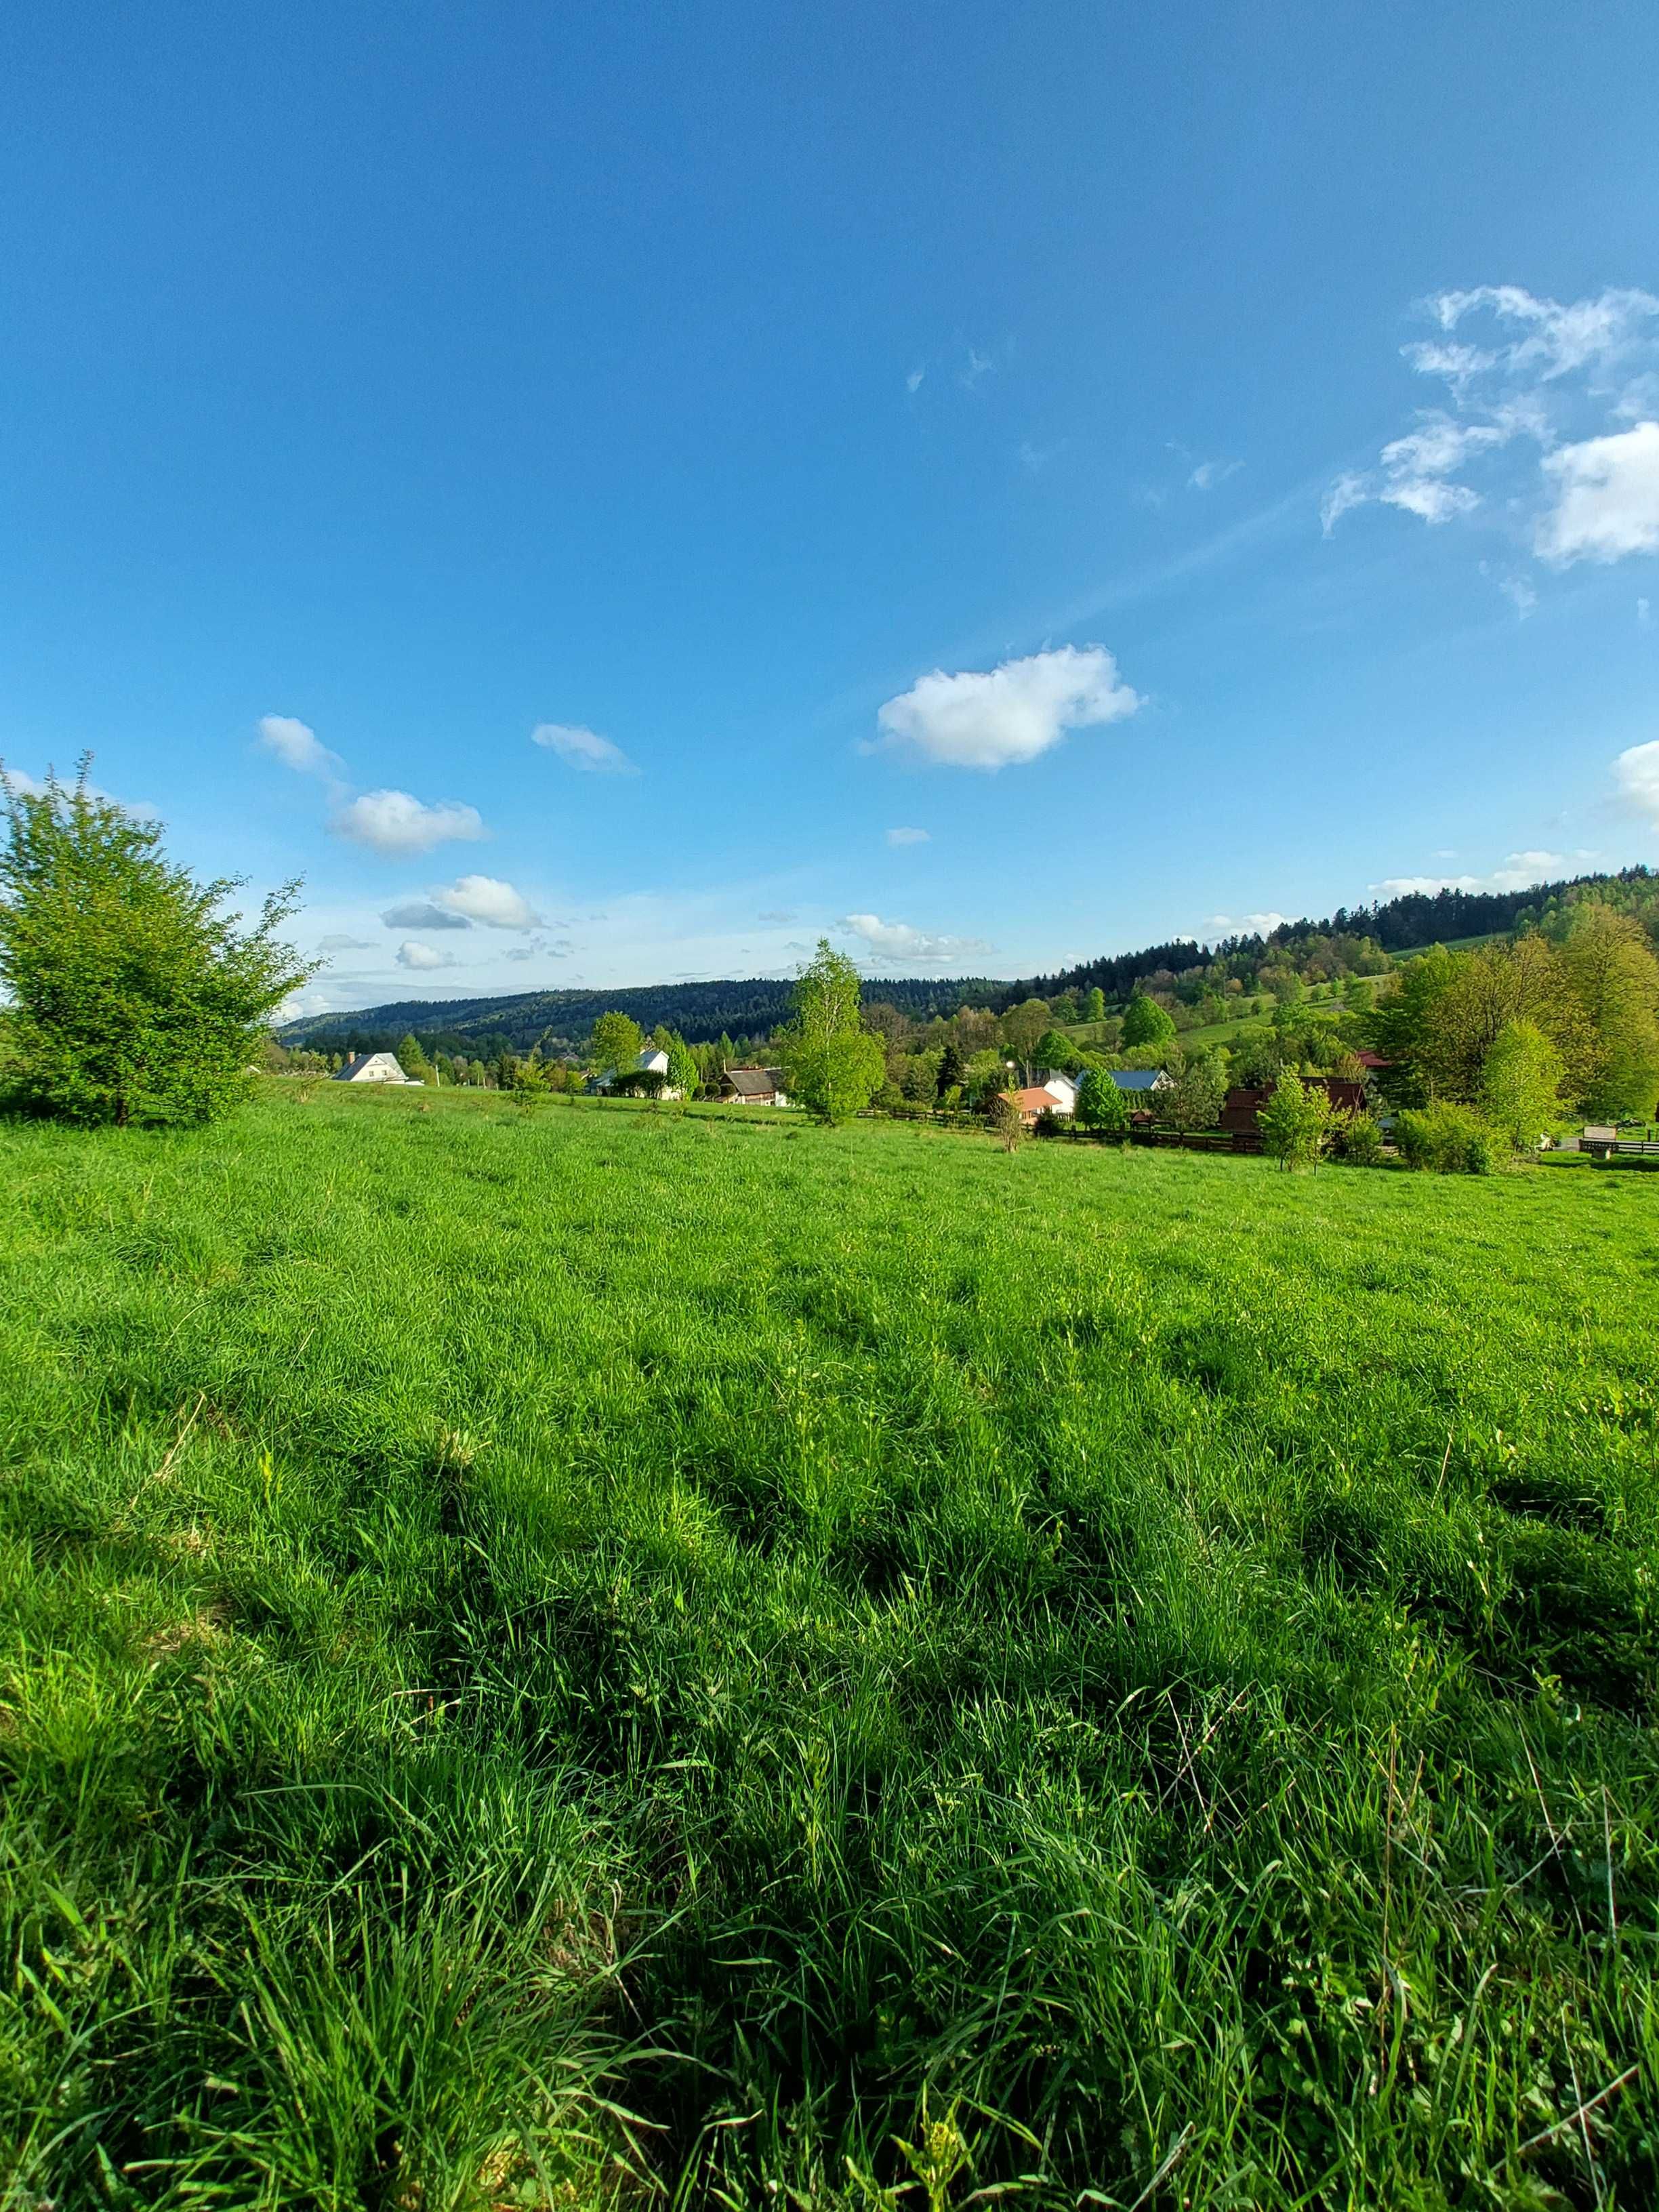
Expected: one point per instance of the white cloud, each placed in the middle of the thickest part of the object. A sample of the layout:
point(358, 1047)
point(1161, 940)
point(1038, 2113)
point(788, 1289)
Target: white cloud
point(1636, 771)
point(908, 837)
point(897, 940)
point(1521, 595)
point(1244, 925)
point(485, 899)
point(297, 747)
point(582, 747)
point(978, 365)
point(1208, 474)
point(412, 954)
point(394, 822)
point(990, 719)
point(1606, 498)
point(912, 382)
point(1517, 874)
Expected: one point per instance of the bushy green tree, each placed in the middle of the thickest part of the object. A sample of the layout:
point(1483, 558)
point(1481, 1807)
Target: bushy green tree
point(1146, 1023)
point(1055, 1049)
point(616, 1044)
point(834, 1066)
point(1022, 1027)
point(1097, 1007)
point(1101, 1106)
point(682, 1074)
point(1521, 1085)
point(1195, 1100)
point(134, 998)
point(1296, 1121)
point(412, 1060)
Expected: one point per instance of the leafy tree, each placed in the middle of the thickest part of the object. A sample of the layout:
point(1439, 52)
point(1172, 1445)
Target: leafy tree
point(1146, 1023)
point(1521, 1085)
point(1397, 1025)
point(133, 997)
point(412, 1060)
point(1055, 1049)
point(1100, 1104)
point(616, 1044)
point(834, 1066)
point(1526, 981)
point(951, 1070)
point(1022, 1027)
point(1613, 977)
point(682, 1074)
point(1195, 1100)
point(1296, 1121)
point(1096, 1006)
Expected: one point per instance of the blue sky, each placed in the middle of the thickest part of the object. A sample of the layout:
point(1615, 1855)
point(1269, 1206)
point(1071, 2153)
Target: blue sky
point(613, 493)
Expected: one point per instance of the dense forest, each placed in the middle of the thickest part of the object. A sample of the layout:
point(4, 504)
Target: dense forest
point(1353, 939)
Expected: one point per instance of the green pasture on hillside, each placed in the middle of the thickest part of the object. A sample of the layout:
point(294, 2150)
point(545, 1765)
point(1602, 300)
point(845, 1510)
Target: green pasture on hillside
point(590, 1655)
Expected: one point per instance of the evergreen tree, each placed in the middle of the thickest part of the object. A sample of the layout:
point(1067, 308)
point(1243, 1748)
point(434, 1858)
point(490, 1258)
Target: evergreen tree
point(412, 1060)
point(952, 1069)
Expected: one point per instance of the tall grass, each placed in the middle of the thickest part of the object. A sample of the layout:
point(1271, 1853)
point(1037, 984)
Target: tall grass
point(559, 1657)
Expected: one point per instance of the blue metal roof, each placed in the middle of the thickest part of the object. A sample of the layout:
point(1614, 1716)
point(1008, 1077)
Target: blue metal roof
point(1136, 1078)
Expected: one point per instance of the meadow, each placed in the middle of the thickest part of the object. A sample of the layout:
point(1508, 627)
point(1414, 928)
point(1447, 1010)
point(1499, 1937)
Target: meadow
point(590, 1655)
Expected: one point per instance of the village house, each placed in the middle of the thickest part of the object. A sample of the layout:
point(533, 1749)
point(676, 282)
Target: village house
point(374, 1067)
point(1243, 1102)
point(754, 1086)
point(1140, 1082)
point(649, 1072)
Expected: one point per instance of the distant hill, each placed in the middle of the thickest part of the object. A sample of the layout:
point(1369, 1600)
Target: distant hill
point(560, 1020)
point(555, 1019)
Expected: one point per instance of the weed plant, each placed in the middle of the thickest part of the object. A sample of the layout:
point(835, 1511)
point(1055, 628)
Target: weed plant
point(574, 1656)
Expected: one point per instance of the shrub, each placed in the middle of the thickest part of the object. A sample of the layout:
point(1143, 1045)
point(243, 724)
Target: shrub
point(135, 999)
point(1047, 1124)
point(1446, 1139)
point(1296, 1122)
point(1358, 1139)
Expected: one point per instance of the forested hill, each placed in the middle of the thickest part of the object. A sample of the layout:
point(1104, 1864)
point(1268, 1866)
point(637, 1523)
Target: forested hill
point(753, 1007)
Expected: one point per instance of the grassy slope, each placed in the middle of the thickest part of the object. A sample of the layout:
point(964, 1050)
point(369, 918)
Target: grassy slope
point(743, 1622)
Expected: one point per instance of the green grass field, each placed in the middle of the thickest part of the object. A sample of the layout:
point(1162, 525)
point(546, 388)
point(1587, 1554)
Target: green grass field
point(569, 1657)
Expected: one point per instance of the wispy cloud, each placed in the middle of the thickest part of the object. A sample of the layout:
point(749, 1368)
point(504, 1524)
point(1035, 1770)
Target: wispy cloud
point(581, 748)
point(338, 943)
point(908, 837)
point(989, 719)
point(297, 746)
point(897, 941)
point(913, 383)
point(1208, 474)
point(1574, 385)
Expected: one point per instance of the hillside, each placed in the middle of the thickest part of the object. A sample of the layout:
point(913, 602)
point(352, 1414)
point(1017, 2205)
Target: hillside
point(753, 1007)
point(518, 1619)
